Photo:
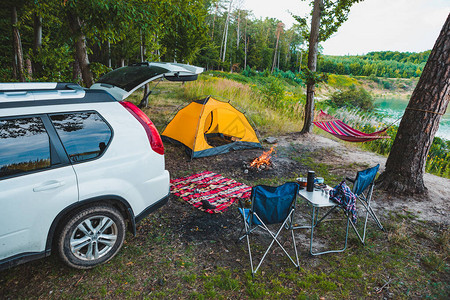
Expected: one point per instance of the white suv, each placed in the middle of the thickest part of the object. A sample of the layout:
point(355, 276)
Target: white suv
point(78, 166)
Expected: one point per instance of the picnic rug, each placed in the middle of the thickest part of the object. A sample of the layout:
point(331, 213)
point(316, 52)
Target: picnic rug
point(208, 191)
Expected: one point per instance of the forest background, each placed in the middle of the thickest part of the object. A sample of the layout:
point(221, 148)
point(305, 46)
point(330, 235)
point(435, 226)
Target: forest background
point(208, 33)
point(40, 41)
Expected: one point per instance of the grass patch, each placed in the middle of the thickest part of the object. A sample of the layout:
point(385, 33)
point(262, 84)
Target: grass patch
point(254, 102)
point(335, 80)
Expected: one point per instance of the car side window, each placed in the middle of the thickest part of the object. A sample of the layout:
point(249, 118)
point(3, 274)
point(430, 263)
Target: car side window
point(85, 135)
point(24, 146)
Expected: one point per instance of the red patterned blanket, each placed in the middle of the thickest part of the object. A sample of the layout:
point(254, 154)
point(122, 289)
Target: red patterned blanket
point(208, 191)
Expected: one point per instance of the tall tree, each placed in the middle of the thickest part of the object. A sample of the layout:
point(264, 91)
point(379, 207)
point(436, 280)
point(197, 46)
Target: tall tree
point(405, 165)
point(17, 43)
point(214, 19)
point(312, 65)
point(245, 44)
point(327, 16)
point(223, 48)
point(280, 27)
point(37, 39)
point(81, 55)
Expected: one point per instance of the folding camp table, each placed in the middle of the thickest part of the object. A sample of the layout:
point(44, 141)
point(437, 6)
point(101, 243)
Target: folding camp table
point(318, 199)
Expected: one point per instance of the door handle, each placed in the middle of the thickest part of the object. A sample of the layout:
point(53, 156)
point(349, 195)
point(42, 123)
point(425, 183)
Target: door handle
point(49, 185)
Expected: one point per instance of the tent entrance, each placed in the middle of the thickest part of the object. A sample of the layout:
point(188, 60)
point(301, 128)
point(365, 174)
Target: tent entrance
point(216, 134)
point(219, 139)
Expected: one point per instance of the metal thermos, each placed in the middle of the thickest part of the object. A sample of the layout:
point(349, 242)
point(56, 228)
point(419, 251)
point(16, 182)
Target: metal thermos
point(310, 181)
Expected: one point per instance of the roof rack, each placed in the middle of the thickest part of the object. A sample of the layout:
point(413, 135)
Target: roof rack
point(33, 86)
point(41, 95)
point(31, 91)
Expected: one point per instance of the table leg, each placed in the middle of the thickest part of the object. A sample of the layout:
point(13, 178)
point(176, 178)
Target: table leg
point(314, 216)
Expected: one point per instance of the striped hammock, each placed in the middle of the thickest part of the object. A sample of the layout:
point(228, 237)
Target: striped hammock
point(344, 132)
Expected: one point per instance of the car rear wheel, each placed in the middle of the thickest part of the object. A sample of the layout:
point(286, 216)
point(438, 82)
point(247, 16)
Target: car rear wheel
point(91, 237)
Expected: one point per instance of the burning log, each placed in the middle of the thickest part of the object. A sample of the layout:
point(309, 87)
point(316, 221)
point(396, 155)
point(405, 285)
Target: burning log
point(260, 163)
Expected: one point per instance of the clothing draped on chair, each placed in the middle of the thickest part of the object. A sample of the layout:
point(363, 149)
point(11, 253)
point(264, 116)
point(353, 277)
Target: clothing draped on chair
point(342, 194)
point(344, 132)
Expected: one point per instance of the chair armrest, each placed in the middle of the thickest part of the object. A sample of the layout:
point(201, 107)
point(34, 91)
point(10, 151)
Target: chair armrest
point(350, 179)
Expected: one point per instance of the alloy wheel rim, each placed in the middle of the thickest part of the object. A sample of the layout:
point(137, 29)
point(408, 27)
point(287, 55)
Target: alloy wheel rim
point(93, 238)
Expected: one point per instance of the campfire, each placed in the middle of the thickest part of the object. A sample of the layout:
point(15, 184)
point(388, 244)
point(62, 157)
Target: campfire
point(262, 162)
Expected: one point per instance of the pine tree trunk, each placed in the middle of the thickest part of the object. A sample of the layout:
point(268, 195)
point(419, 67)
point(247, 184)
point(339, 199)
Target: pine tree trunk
point(274, 57)
point(109, 54)
point(29, 69)
point(17, 45)
point(301, 59)
point(312, 65)
point(144, 100)
point(245, 45)
point(214, 21)
point(80, 48)
point(279, 29)
point(76, 71)
point(238, 33)
point(405, 165)
point(37, 43)
point(37, 30)
point(225, 34)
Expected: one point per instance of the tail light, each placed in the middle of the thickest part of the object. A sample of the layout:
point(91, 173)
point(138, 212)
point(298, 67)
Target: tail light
point(150, 129)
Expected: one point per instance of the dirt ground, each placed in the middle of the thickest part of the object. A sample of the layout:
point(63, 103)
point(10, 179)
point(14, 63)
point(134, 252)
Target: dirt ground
point(432, 207)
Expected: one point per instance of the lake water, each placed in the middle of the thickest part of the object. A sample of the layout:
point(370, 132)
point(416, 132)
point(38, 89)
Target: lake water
point(395, 108)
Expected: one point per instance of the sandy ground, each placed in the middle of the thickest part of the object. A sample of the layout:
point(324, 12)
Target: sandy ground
point(432, 207)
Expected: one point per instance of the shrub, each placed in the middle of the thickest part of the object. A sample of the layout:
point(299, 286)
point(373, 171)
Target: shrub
point(353, 97)
point(273, 92)
point(387, 85)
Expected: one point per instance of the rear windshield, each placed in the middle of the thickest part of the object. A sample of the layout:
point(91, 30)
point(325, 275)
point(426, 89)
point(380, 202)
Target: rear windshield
point(127, 78)
point(85, 135)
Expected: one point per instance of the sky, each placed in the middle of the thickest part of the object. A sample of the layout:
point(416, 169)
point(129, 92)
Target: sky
point(372, 25)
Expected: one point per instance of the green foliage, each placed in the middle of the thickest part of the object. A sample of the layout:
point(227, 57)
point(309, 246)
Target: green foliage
point(387, 85)
point(381, 146)
point(438, 160)
point(169, 30)
point(404, 57)
point(293, 77)
point(313, 77)
point(340, 81)
point(56, 62)
point(98, 70)
point(381, 64)
point(352, 97)
point(183, 31)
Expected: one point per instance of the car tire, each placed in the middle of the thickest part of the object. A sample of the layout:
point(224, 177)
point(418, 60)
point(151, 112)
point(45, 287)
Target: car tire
point(91, 236)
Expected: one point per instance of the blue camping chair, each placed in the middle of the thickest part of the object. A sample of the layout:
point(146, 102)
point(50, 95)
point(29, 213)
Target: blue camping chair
point(363, 186)
point(270, 205)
